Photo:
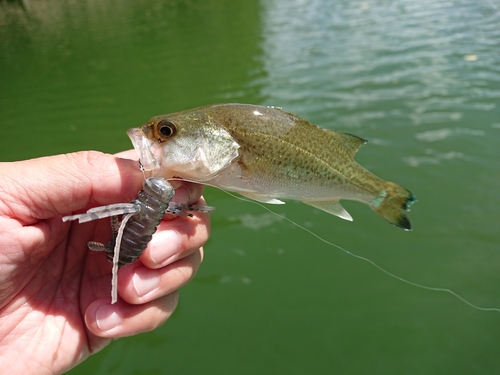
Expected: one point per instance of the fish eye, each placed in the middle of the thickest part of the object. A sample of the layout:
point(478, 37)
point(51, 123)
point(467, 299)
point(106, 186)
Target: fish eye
point(166, 129)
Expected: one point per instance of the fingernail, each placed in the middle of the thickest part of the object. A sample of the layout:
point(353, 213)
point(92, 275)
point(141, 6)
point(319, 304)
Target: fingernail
point(145, 281)
point(107, 318)
point(164, 245)
point(181, 195)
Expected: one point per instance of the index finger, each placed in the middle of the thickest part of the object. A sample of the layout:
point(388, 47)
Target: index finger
point(41, 188)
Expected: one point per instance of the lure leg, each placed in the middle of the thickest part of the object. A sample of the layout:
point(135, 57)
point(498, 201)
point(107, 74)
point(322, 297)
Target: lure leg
point(183, 209)
point(105, 211)
point(97, 246)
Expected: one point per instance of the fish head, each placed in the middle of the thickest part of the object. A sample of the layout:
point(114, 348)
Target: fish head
point(190, 145)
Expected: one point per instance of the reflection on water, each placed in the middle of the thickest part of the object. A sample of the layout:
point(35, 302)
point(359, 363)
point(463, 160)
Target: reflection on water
point(258, 221)
point(116, 64)
point(396, 63)
point(440, 134)
point(419, 79)
point(433, 157)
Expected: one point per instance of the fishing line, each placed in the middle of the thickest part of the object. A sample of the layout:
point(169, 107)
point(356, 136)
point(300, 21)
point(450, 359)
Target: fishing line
point(421, 286)
point(434, 289)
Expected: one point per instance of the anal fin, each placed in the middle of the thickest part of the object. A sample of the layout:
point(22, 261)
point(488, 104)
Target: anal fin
point(332, 207)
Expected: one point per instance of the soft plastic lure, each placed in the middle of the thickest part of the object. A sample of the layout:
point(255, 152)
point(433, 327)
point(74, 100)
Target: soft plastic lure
point(140, 219)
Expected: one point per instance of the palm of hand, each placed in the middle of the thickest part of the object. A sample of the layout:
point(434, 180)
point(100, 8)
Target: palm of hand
point(49, 284)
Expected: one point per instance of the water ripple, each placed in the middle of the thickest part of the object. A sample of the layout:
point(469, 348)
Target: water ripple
point(366, 63)
point(440, 134)
point(434, 157)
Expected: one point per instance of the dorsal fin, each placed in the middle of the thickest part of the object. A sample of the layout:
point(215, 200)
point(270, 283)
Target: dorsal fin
point(351, 142)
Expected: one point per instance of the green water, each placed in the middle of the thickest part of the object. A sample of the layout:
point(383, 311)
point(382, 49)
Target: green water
point(419, 79)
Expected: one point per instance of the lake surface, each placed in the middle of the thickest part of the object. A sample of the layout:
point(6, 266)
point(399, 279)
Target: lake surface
point(419, 79)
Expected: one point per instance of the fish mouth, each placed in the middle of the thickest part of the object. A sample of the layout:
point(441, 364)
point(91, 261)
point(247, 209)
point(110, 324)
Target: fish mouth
point(145, 149)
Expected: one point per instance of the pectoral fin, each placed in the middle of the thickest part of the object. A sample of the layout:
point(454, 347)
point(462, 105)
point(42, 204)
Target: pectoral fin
point(261, 198)
point(332, 207)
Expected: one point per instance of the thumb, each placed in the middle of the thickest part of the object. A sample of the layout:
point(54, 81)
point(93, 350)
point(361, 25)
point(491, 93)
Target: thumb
point(45, 187)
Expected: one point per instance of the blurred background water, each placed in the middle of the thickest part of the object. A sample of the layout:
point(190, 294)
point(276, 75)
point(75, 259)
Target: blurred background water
point(419, 79)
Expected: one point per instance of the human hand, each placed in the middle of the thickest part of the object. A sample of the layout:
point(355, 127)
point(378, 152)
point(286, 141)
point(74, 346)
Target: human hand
point(55, 306)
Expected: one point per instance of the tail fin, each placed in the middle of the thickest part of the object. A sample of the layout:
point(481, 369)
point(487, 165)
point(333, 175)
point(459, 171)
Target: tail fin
point(390, 203)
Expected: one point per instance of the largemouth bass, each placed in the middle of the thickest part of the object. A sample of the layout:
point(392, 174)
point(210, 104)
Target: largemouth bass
point(266, 154)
